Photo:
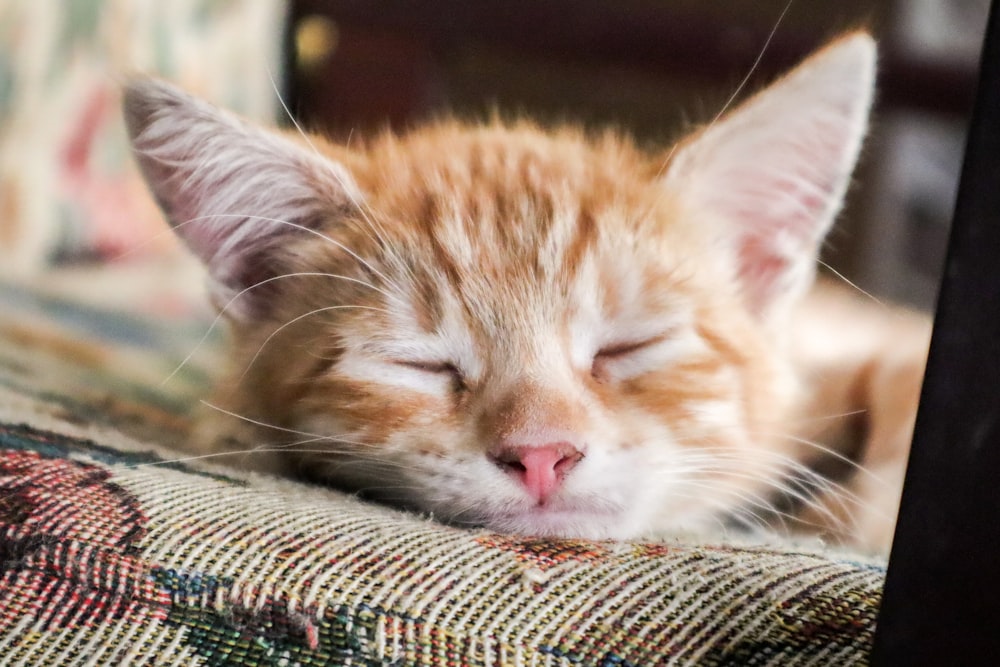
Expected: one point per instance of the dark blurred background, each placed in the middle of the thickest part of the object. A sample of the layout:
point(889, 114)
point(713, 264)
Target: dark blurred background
point(655, 68)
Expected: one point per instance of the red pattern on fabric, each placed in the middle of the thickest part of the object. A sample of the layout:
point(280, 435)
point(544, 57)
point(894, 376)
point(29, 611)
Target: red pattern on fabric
point(68, 535)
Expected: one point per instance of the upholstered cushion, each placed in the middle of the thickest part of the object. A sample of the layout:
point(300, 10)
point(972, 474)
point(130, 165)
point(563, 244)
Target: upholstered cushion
point(70, 193)
point(117, 549)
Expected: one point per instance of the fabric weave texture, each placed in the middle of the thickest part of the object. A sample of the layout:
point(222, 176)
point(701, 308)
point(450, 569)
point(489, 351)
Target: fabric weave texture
point(116, 550)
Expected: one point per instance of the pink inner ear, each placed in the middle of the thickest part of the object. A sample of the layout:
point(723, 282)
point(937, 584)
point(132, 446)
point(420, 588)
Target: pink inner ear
point(780, 223)
point(812, 201)
point(761, 271)
point(776, 168)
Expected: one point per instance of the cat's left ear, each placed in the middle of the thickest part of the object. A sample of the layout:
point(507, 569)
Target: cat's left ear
point(773, 173)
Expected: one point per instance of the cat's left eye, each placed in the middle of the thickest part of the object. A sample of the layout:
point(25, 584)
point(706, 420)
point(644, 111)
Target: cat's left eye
point(626, 348)
point(621, 351)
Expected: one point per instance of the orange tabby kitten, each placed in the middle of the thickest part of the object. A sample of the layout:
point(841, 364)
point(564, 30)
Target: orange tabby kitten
point(548, 333)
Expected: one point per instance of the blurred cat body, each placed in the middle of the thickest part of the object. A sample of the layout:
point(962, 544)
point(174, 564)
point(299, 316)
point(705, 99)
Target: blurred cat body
point(545, 332)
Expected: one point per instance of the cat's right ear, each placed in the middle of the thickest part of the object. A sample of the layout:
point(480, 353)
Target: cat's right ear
point(232, 191)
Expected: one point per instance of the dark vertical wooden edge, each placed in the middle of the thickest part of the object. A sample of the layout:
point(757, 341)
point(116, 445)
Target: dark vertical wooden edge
point(941, 602)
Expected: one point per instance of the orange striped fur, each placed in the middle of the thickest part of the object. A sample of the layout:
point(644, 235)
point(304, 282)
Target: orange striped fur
point(537, 330)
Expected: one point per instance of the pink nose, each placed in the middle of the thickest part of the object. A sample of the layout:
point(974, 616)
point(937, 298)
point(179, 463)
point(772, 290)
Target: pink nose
point(540, 468)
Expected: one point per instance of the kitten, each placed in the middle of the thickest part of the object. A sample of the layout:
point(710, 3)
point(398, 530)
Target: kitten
point(548, 333)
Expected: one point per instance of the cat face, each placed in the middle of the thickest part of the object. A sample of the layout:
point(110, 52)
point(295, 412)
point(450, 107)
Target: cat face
point(539, 332)
point(520, 317)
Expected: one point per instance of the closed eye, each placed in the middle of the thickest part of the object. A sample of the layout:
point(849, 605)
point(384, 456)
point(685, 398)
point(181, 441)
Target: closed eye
point(430, 366)
point(626, 348)
point(437, 368)
point(614, 360)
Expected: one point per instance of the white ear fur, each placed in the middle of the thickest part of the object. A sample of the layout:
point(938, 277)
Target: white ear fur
point(234, 192)
point(775, 170)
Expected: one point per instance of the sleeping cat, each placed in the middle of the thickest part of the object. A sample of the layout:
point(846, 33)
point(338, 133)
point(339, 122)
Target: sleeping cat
point(550, 333)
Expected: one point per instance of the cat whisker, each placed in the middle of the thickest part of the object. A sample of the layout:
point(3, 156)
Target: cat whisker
point(310, 437)
point(350, 459)
point(292, 321)
point(850, 284)
point(137, 246)
point(755, 458)
point(363, 207)
point(828, 499)
point(784, 518)
point(747, 498)
point(462, 518)
point(742, 84)
point(720, 504)
point(219, 454)
point(256, 422)
point(827, 451)
point(827, 417)
point(755, 65)
point(471, 514)
point(295, 446)
point(282, 448)
point(279, 221)
point(228, 304)
point(381, 490)
point(784, 469)
point(809, 489)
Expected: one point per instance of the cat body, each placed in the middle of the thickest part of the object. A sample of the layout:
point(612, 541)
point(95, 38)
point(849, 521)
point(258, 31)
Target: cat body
point(545, 332)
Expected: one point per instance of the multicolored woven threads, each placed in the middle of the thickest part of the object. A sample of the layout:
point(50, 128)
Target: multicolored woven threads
point(111, 554)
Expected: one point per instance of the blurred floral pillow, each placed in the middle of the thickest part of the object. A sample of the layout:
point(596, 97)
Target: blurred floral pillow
point(70, 194)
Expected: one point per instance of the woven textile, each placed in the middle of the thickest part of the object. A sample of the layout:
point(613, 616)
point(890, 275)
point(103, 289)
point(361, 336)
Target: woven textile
point(71, 194)
point(113, 552)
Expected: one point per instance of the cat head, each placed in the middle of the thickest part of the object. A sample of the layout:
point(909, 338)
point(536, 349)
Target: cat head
point(538, 331)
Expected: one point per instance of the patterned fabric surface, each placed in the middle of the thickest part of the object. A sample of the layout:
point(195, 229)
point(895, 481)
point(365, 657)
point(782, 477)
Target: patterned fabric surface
point(115, 550)
point(70, 194)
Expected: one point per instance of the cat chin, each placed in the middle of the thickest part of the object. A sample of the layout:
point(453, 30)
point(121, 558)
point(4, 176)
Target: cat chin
point(566, 524)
